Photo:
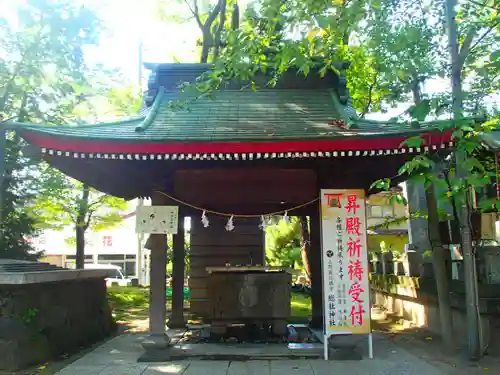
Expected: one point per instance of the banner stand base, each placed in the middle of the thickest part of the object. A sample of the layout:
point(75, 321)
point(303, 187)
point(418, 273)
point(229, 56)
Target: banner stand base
point(370, 345)
point(325, 347)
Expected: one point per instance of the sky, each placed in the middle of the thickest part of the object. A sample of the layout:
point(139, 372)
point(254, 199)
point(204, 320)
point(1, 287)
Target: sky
point(130, 22)
point(127, 22)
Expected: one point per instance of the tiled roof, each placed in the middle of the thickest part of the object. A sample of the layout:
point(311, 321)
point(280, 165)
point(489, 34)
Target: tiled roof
point(299, 117)
point(238, 115)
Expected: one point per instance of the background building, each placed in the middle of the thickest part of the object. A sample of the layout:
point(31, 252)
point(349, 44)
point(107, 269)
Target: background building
point(118, 246)
point(387, 223)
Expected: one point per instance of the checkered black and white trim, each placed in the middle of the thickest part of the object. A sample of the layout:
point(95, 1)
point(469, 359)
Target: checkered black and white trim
point(243, 156)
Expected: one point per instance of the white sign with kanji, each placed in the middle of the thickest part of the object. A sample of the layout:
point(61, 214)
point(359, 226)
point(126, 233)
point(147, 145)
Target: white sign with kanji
point(157, 219)
point(346, 286)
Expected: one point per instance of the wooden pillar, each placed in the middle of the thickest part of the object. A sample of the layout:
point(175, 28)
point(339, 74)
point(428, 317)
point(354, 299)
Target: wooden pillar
point(316, 271)
point(157, 339)
point(178, 271)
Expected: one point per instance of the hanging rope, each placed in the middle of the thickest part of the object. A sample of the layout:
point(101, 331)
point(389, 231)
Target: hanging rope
point(236, 215)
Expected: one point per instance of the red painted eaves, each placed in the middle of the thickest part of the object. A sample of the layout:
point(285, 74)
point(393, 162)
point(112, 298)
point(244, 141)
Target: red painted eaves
point(361, 143)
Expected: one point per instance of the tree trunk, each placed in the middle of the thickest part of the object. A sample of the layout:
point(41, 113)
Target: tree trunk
point(206, 28)
point(235, 18)
point(458, 56)
point(178, 254)
point(205, 48)
point(438, 251)
point(440, 272)
point(306, 245)
point(80, 247)
point(219, 29)
point(81, 226)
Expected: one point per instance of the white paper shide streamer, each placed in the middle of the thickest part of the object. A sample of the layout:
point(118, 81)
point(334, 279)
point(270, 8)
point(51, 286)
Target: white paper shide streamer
point(263, 223)
point(230, 224)
point(204, 219)
point(286, 218)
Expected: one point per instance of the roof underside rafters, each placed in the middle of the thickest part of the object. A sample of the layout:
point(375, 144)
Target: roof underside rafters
point(243, 155)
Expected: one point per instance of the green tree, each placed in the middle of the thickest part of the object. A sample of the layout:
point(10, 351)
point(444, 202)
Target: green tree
point(467, 170)
point(407, 39)
point(212, 18)
point(17, 226)
point(39, 79)
point(64, 202)
point(283, 243)
point(274, 36)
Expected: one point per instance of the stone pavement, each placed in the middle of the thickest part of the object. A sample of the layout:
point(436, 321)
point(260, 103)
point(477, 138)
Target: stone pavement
point(119, 357)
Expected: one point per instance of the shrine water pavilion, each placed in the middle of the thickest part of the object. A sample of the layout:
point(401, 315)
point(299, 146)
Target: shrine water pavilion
point(240, 152)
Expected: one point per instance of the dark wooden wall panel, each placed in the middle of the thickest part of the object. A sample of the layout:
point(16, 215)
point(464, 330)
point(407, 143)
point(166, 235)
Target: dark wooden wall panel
point(253, 186)
point(215, 247)
point(223, 241)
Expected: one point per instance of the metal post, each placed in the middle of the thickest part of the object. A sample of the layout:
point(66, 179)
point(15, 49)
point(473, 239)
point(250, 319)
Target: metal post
point(140, 254)
point(325, 346)
point(370, 345)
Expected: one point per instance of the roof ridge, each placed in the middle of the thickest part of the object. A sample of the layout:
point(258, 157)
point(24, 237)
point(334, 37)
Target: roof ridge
point(148, 120)
point(15, 124)
point(340, 108)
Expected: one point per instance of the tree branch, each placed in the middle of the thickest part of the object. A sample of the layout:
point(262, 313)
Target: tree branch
point(97, 201)
point(213, 15)
point(220, 28)
point(485, 34)
point(484, 5)
point(465, 48)
point(195, 11)
point(370, 97)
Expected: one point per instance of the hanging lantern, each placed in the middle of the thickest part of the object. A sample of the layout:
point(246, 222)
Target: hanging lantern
point(204, 219)
point(230, 224)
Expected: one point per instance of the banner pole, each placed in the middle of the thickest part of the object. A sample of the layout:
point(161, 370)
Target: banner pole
point(370, 345)
point(325, 346)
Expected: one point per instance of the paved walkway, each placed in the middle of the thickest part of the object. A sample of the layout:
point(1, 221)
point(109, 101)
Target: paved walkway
point(119, 357)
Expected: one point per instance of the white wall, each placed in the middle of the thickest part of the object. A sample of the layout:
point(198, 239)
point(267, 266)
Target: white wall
point(123, 239)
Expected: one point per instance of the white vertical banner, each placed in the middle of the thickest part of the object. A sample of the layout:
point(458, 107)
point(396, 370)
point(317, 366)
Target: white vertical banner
point(346, 286)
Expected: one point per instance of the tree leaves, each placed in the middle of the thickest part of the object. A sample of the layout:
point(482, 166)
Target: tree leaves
point(59, 201)
point(420, 111)
point(44, 79)
point(415, 142)
point(283, 245)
